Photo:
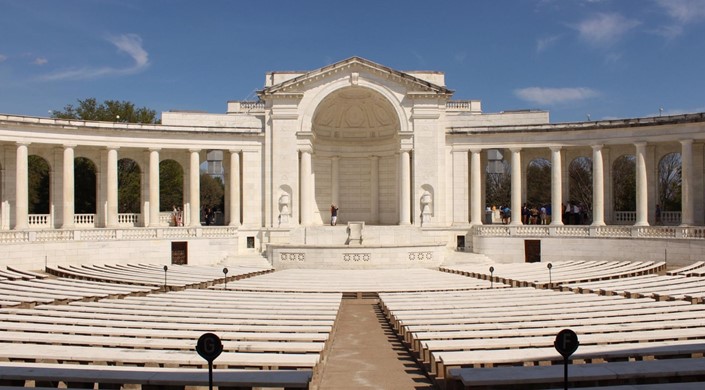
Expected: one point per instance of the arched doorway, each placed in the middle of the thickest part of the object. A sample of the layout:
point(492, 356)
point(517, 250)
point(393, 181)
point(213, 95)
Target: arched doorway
point(355, 160)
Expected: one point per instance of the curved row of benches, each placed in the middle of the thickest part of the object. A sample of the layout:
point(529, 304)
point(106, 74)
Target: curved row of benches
point(360, 281)
point(659, 287)
point(540, 275)
point(517, 326)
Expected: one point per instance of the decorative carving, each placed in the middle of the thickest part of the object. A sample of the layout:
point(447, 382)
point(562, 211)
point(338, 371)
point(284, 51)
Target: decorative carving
point(420, 256)
point(357, 256)
point(289, 256)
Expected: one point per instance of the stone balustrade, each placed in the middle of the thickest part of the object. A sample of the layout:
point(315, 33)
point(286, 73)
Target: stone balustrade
point(59, 235)
point(612, 231)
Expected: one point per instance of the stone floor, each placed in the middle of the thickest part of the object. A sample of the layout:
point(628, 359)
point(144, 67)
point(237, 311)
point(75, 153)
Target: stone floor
point(366, 354)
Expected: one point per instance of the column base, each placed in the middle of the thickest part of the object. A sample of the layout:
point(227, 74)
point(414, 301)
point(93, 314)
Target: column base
point(601, 223)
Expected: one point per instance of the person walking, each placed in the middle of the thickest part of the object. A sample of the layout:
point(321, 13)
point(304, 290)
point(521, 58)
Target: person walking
point(333, 215)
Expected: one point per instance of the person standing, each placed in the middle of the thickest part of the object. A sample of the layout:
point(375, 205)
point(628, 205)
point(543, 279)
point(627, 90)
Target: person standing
point(333, 215)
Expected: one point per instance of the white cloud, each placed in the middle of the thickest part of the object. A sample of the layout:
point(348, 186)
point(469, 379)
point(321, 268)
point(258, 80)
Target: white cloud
point(681, 12)
point(545, 43)
point(40, 61)
point(684, 11)
point(549, 96)
point(605, 29)
point(130, 44)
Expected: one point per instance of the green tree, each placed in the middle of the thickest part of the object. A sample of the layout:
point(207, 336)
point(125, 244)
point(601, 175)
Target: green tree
point(212, 191)
point(109, 110)
point(624, 183)
point(38, 185)
point(669, 182)
point(129, 186)
point(538, 183)
point(580, 185)
point(498, 184)
point(84, 185)
point(171, 185)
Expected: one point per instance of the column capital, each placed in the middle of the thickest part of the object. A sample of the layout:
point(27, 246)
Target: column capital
point(515, 149)
point(234, 151)
point(154, 149)
point(371, 156)
point(23, 143)
point(640, 144)
point(305, 149)
point(67, 146)
point(194, 150)
point(597, 147)
point(335, 158)
point(686, 141)
point(556, 148)
point(112, 148)
point(475, 150)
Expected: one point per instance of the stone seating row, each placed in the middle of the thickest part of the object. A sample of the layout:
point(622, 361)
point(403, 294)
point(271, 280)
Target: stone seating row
point(662, 374)
point(506, 331)
point(22, 292)
point(375, 281)
point(154, 275)
point(272, 333)
point(660, 287)
point(115, 377)
point(695, 269)
point(7, 273)
point(538, 274)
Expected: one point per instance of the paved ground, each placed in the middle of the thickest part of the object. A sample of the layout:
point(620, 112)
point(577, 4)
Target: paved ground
point(366, 354)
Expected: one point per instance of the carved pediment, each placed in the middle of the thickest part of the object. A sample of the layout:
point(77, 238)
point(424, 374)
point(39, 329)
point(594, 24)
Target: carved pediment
point(354, 66)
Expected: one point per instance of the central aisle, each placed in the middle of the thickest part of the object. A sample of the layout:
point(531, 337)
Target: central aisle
point(366, 354)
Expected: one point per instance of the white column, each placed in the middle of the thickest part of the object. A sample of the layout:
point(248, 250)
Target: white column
point(234, 189)
point(306, 194)
point(334, 182)
point(460, 186)
point(475, 187)
point(374, 189)
point(153, 187)
point(556, 187)
point(687, 184)
point(405, 190)
point(68, 188)
point(598, 187)
point(112, 188)
point(516, 186)
point(195, 187)
point(642, 194)
point(22, 189)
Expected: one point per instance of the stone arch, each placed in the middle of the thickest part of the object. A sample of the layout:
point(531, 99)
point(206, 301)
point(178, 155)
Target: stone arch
point(354, 163)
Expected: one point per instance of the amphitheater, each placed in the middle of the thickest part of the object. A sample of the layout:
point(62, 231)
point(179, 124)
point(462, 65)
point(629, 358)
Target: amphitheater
point(419, 285)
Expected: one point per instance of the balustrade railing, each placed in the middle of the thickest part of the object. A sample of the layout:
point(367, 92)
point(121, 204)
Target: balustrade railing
point(39, 220)
point(671, 217)
point(84, 220)
point(128, 219)
point(624, 217)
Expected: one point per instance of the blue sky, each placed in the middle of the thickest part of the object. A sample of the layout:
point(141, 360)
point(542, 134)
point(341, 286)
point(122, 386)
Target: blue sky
point(603, 58)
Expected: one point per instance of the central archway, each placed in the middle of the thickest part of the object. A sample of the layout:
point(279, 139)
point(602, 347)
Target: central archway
point(355, 161)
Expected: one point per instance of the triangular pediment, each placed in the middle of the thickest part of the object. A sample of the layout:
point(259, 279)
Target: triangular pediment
point(354, 64)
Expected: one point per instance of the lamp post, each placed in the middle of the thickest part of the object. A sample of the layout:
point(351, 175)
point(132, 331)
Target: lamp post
point(225, 272)
point(491, 277)
point(165, 269)
point(550, 281)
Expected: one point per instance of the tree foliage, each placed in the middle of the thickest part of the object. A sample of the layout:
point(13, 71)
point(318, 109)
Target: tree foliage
point(212, 191)
point(84, 186)
point(669, 182)
point(129, 186)
point(109, 110)
point(498, 185)
point(580, 184)
point(38, 185)
point(538, 182)
point(171, 185)
point(624, 183)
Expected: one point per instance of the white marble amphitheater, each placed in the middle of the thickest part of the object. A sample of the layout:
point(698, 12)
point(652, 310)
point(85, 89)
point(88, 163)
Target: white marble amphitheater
point(111, 300)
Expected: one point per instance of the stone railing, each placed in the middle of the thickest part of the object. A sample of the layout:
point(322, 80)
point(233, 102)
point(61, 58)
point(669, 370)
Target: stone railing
point(463, 105)
point(610, 231)
point(39, 220)
point(129, 219)
point(629, 217)
point(63, 235)
point(84, 220)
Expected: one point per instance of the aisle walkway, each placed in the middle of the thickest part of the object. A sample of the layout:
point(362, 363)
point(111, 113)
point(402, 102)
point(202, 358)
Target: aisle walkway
point(366, 354)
